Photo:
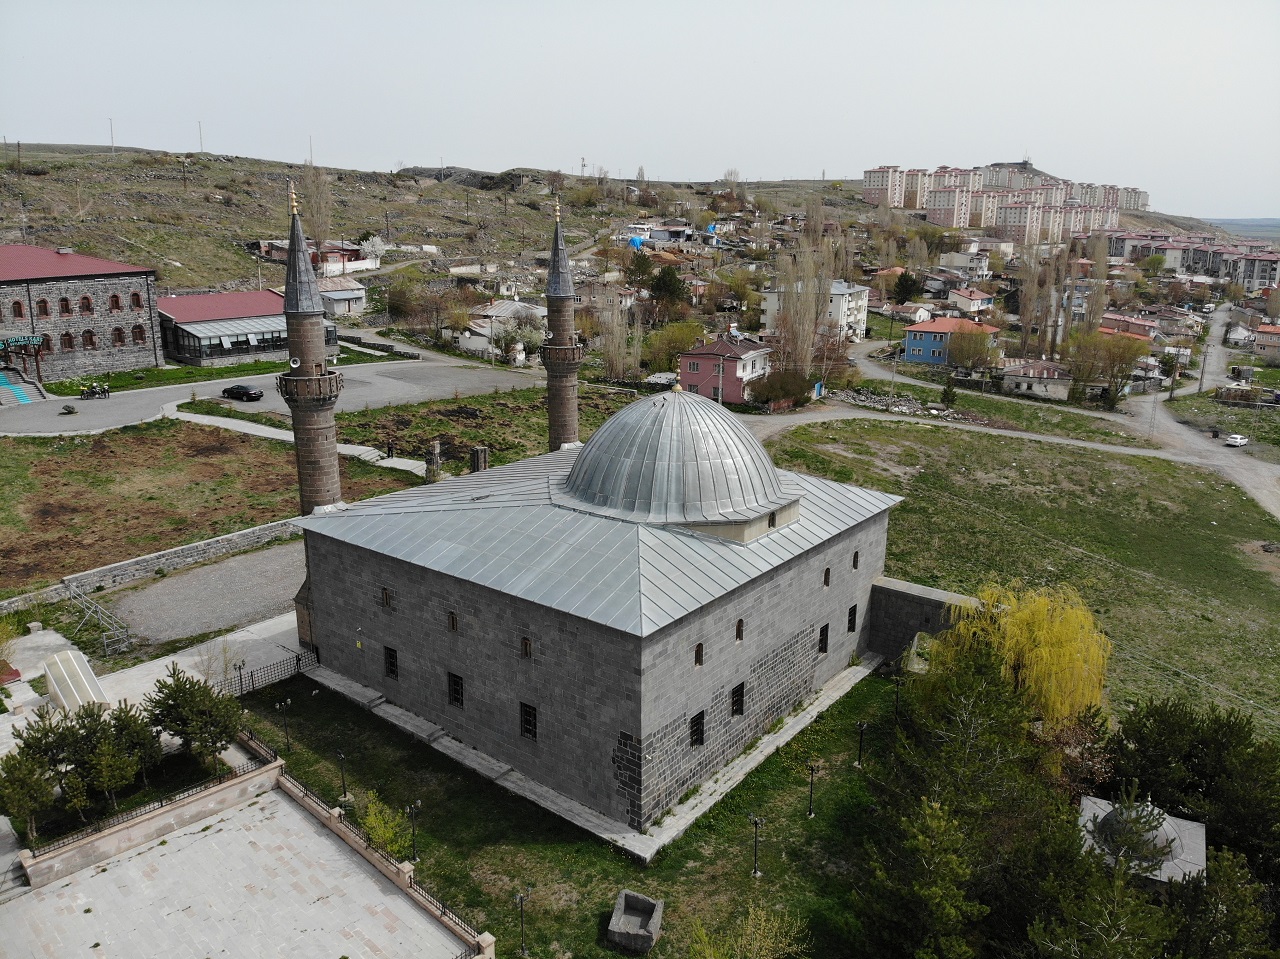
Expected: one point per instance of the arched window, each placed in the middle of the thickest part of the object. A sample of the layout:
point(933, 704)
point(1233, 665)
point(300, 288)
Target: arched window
point(42, 307)
point(135, 300)
point(64, 306)
point(114, 303)
point(16, 309)
point(855, 559)
point(453, 622)
point(117, 336)
point(826, 577)
point(86, 304)
point(740, 631)
point(697, 655)
point(68, 342)
point(88, 340)
point(139, 334)
point(46, 343)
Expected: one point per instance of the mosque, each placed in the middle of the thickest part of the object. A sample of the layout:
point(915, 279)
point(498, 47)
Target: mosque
point(615, 620)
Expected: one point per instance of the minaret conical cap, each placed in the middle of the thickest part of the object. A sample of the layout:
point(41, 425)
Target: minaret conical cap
point(559, 280)
point(301, 291)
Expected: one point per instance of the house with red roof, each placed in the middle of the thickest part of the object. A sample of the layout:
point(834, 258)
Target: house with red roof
point(724, 369)
point(221, 329)
point(1268, 340)
point(64, 314)
point(970, 301)
point(928, 342)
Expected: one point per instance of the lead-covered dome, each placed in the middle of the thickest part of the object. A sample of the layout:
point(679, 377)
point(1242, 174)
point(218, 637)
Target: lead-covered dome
point(676, 458)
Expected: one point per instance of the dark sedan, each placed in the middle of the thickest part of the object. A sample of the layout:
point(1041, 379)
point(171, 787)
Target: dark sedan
point(242, 392)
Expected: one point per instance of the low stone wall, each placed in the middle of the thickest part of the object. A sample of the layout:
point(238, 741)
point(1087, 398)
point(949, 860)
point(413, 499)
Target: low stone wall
point(141, 567)
point(900, 609)
point(150, 827)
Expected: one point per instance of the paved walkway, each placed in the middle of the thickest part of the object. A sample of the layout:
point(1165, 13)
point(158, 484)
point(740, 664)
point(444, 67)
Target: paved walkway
point(262, 879)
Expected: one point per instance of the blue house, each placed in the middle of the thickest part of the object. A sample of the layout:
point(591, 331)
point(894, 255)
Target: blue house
point(928, 342)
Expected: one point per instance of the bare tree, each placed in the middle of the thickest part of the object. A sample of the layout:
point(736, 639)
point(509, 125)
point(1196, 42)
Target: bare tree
point(613, 345)
point(1029, 284)
point(316, 203)
point(804, 306)
point(918, 254)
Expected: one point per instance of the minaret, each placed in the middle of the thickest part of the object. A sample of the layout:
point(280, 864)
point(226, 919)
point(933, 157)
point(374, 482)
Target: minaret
point(561, 355)
point(310, 388)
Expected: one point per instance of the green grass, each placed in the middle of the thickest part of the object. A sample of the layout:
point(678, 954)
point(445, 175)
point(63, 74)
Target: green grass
point(1261, 425)
point(479, 844)
point(1267, 376)
point(1006, 414)
point(228, 410)
point(1157, 548)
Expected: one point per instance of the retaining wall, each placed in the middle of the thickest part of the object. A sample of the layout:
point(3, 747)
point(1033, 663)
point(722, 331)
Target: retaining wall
point(900, 609)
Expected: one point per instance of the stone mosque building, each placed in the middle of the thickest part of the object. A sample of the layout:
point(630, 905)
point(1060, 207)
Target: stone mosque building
point(614, 620)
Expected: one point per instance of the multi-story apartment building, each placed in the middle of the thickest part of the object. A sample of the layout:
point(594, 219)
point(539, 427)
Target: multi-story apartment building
point(1131, 198)
point(915, 188)
point(882, 182)
point(1019, 222)
point(948, 206)
point(1051, 223)
point(1257, 271)
point(983, 206)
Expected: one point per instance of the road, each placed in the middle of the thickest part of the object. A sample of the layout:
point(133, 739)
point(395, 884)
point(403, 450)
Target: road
point(366, 385)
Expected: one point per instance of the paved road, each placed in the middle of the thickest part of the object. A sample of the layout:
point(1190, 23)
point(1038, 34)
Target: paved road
point(366, 385)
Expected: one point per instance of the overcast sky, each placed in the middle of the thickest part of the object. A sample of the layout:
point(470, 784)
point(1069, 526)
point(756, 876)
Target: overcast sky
point(1178, 98)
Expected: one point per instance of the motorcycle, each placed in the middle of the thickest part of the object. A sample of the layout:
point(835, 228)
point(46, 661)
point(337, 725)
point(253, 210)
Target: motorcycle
point(95, 392)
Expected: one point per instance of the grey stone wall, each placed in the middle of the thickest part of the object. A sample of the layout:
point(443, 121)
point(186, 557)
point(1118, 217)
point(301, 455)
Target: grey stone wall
point(777, 660)
point(582, 679)
point(900, 609)
point(59, 363)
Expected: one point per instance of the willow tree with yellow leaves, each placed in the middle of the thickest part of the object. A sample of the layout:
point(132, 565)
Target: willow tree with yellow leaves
point(1047, 641)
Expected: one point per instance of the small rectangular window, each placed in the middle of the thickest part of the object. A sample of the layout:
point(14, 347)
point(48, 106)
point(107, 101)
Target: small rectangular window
point(526, 647)
point(453, 622)
point(455, 690)
point(697, 729)
point(853, 618)
point(528, 721)
point(738, 700)
point(388, 597)
point(694, 367)
point(823, 633)
point(390, 663)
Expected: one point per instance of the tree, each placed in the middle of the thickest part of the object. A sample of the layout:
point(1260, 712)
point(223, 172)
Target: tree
point(194, 713)
point(668, 290)
point(26, 787)
point(781, 384)
point(1273, 311)
point(1084, 356)
point(613, 347)
point(1234, 293)
point(131, 728)
point(1152, 265)
point(666, 344)
point(47, 739)
point(111, 768)
point(970, 351)
point(1220, 913)
point(1119, 354)
point(1108, 919)
point(1125, 835)
point(640, 270)
point(387, 827)
point(1047, 641)
point(75, 794)
point(907, 288)
point(373, 248)
point(316, 203)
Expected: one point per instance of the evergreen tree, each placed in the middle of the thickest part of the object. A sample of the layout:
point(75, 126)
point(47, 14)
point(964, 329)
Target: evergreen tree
point(112, 768)
point(1219, 913)
point(193, 712)
point(1107, 919)
point(26, 787)
point(133, 730)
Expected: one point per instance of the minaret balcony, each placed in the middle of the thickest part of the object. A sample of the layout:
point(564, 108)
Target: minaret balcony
point(323, 388)
point(561, 359)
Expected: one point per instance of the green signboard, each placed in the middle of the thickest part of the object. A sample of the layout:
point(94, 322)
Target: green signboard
point(8, 341)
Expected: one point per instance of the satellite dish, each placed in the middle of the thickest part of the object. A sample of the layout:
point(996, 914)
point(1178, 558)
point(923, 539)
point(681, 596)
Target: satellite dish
point(294, 362)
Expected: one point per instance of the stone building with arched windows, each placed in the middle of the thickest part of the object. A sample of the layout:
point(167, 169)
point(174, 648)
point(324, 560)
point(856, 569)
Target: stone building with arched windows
point(63, 314)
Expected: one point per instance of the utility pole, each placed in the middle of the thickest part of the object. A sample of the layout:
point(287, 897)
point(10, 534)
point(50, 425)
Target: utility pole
point(112, 122)
point(388, 214)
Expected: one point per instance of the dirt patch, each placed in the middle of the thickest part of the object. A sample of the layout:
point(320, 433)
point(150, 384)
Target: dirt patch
point(1265, 555)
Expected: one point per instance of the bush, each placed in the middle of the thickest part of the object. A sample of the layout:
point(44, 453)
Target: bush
point(782, 385)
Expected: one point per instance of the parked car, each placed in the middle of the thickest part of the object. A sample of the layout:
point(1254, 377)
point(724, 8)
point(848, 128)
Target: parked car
point(242, 392)
point(1235, 439)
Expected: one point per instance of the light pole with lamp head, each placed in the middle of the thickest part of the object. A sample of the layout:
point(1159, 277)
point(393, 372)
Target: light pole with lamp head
point(757, 822)
point(283, 710)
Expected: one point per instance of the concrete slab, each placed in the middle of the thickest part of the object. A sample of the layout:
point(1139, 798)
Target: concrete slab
point(263, 879)
point(30, 651)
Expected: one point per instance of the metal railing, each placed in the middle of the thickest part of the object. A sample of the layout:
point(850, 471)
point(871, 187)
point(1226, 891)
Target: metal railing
point(115, 634)
point(39, 849)
point(248, 680)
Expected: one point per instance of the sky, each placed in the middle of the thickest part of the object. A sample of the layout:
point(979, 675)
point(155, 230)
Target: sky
point(1176, 98)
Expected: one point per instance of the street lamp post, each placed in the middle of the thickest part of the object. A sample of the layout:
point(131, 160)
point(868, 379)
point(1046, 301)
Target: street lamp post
point(342, 768)
point(521, 898)
point(239, 668)
point(412, 810)
point(283, 710)
point(757, 822)
point(813, 769)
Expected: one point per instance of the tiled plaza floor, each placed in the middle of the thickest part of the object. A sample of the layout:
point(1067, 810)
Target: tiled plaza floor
point(263, 879)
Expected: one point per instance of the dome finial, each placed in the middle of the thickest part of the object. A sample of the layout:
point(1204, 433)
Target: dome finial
point(677, 388)
point(557, 207)
point(293, 198)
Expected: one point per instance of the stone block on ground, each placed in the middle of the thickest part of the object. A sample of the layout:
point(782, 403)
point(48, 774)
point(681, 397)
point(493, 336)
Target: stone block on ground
point(636, 923)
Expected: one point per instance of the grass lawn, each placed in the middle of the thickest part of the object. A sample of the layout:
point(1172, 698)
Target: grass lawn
point(1007, 414)
point(513, 425)
point(177, 375)
point(78, 502)
point(1167, 555)
point(479, 845)
point(1261, 425)
point(232, 410)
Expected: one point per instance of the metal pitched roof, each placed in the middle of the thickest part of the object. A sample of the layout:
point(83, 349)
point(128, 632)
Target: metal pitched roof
point(301, 292)
point(559, 279)
point(19, 262)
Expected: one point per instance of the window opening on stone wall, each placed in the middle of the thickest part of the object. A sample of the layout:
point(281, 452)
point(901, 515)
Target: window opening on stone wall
point(16, 309)
point(46, 343)
point(826, 577)
point(117, 336)
point(388, 597)
point(740, 631)
point(855, 559)
point(697, 655)
point(528, 721)
point(455, 690)
point(68, 341)
point(139, 333)
point(86, 304)
point(453, 622)
point(64, 306)
point(853, 618)
point(697, 729)
point(135, 300)
point(823, 633)
point(113, 304)
point(89, 340)
point(390, 662)
point(42, 307)
point(773, 521)
point(738, 700)
point(526, 647)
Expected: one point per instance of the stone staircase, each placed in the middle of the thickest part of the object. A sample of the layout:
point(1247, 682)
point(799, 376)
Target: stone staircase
point(16, 388)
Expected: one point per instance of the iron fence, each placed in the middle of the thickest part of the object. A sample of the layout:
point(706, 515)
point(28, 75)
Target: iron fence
point(39, 849)
point(248, 680)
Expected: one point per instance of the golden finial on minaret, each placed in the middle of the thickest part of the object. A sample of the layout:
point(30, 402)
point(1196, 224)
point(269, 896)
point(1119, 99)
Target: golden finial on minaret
point(293, 197)
point(557, 209)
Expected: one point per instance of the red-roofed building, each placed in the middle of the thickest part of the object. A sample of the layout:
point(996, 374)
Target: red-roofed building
point(970, 301)
point(63, 314)
point(220, 329)
point(724, 369)
point(1268, 341)
point(929, 341)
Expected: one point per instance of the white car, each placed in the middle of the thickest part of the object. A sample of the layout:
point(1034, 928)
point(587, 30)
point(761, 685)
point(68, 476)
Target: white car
point(1235, 439)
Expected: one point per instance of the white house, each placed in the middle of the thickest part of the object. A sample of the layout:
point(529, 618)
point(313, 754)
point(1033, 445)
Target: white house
point(846, 309)
point(970, 301)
